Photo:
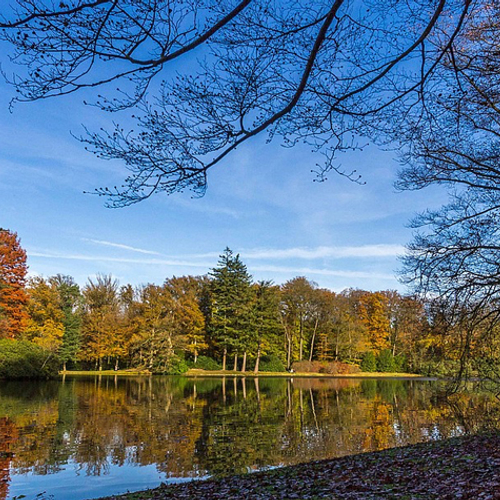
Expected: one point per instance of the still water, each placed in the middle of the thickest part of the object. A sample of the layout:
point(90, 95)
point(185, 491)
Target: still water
point(87, 437)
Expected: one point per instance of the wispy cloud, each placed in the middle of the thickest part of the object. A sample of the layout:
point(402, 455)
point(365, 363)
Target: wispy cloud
point(289, 270)
point(305, 271)
point(124, 260)
point(321, 252)
point(121, 246)
point(364, 251)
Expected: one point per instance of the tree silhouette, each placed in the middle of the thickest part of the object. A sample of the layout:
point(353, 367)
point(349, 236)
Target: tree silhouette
point(325, 73)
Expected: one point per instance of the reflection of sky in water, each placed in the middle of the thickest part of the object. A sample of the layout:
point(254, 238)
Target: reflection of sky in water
point(68, 439)
point(71, 483)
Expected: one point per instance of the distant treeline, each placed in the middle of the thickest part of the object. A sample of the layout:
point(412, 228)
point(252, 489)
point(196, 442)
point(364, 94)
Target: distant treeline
point(223, 320)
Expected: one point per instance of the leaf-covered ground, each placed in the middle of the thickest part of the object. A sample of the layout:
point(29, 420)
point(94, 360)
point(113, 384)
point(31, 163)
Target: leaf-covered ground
point(460, 468)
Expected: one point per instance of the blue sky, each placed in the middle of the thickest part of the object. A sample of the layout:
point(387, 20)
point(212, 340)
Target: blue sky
point(262, 203)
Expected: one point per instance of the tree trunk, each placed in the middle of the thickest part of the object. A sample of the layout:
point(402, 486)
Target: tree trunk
point(235, 362)
point(116, 364)
point(244, 366)
point(289, 354)
point(312, 340)
point(64, 366)
point(257, 361)
point(224, 356)
point(301, 341)
point(100, 364)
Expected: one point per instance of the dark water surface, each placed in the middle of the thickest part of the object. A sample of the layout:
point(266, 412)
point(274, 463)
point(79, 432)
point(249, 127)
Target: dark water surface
point(88, 437)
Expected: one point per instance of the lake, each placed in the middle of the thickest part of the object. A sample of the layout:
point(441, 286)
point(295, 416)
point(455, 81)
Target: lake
point(79, 438)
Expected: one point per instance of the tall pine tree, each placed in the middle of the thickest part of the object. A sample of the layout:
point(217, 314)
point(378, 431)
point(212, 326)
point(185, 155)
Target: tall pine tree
point(70, 299)
point(266, 326)
point(231, 299)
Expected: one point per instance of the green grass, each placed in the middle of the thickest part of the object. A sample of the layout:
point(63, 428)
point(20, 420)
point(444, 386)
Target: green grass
point(196, 372)
point(106, 372)
point(218, 373)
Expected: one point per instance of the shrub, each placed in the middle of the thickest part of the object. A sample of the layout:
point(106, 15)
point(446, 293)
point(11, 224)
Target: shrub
point(20, 359)
point(400, 362)
point(177, 366)
point(385, 361)
point(271, 364)
point(445, 368)
point(206, 363)
point(369, 362)
point(330, 367)
point(338, 368)
point(308, 366)
point(173, 365)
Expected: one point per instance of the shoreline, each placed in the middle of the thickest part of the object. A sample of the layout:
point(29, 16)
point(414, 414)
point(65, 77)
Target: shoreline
point(219, 373)
point(466, 467)
point(195, 373)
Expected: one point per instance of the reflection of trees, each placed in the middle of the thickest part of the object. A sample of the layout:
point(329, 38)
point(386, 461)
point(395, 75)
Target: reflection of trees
point(34, 417)
point(8, 436)
point(475, 413)
point(242, 426)
point(189, 427)
point(142, 421)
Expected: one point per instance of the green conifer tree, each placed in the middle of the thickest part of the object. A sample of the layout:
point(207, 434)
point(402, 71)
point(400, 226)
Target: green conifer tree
point(266, 331)
point(230, 305)
point(70, 302)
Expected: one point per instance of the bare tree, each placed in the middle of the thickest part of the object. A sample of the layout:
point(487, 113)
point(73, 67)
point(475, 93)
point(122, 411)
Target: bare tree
point(202, 77)
point(456, 250)
point(455, 254)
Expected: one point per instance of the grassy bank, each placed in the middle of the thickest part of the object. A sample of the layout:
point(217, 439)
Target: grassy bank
point(106, 372)
point(459, 468)
point(229, 373)
point(219, 373)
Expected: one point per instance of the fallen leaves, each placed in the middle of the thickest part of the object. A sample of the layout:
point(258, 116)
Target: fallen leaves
point(459, 468)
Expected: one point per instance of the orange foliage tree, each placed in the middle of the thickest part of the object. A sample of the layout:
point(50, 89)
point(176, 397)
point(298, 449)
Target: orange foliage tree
point(13, 297)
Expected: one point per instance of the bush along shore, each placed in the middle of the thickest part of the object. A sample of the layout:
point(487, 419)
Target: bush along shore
point(458, 468)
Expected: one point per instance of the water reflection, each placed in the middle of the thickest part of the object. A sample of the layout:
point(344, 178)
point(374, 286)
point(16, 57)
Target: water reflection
point(184, 428)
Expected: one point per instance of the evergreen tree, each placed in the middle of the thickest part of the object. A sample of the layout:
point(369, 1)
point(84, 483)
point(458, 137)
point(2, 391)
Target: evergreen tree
point(231, 298)
point(385, 361)
point(266, 326)
point(70, 299)
point(369, 362)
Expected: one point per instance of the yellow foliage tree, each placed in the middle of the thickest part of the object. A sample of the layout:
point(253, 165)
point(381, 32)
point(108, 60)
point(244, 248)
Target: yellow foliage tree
point(45, 324)
point(374, 313)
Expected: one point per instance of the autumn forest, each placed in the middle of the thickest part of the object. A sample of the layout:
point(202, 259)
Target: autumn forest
point(222, 320)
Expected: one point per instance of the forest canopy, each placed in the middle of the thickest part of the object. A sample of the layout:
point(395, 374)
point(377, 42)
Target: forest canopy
point(225, 320)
